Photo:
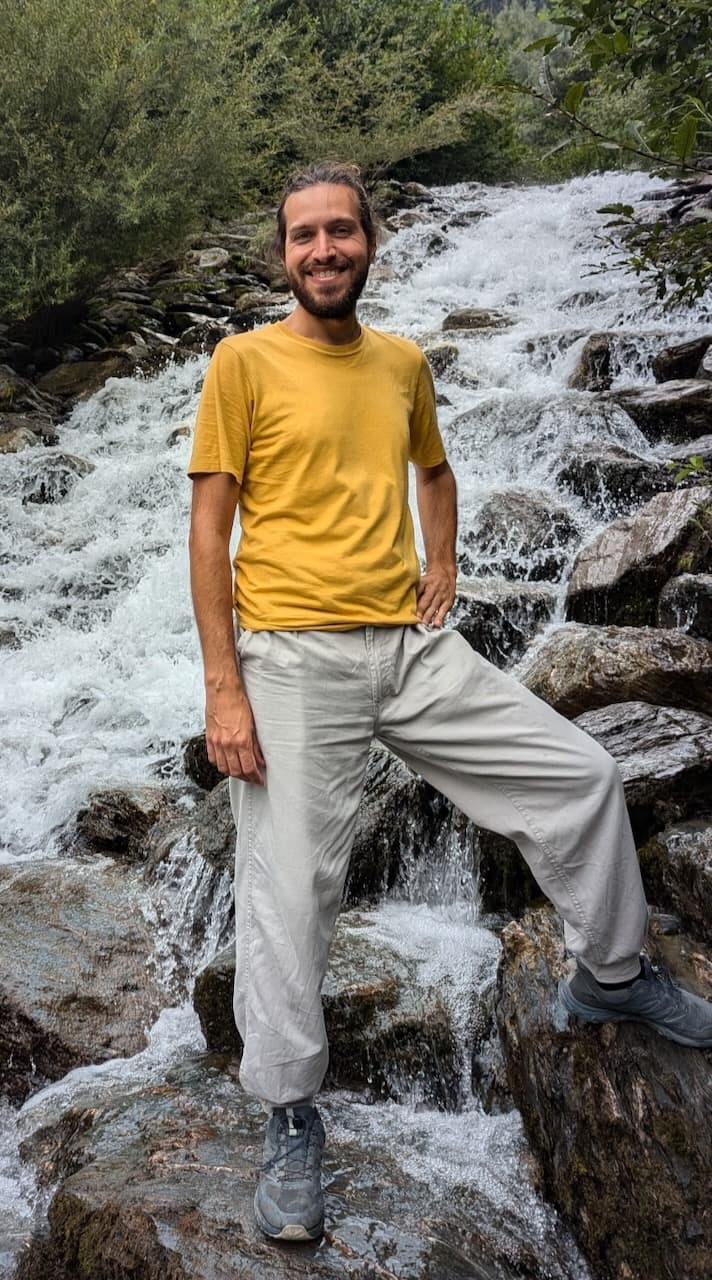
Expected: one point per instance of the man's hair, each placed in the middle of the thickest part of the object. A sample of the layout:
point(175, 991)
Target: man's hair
point(336, 175)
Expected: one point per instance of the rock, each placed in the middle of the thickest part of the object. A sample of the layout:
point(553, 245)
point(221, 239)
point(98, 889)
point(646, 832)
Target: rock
point(611, 479)
point(677, 869)
point(441, 358)
point(522, 534)
point(676, 411)
point(159, 1184)
point(499, 618)
point(705, 369)
point(17, 395)
point(18, 440)
point(392, 798)
point(213, 828)
point(686, 602)
point(388, 1034)
point(76, 984)
point(618, 577)
point(579, 668)
point(40, 424)
point(476, 318)
point(618, 1118)
point(593, 368)
point(53, 477)
point(681, 361)
point(197, 765)
point(80, 380)
point(702, 448)
point(116, 822)
point(665, 758)
point(209, 259)
point(180, 433)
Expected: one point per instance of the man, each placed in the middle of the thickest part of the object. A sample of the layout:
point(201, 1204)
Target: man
point(309, 424)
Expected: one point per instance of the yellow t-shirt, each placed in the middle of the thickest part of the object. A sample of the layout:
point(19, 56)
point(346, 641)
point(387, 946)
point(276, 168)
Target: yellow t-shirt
point(319, 439)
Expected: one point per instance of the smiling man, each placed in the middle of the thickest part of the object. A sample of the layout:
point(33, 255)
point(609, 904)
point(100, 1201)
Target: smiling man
point(309, 424)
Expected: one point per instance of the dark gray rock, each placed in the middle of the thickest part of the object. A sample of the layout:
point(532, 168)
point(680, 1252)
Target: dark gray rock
point(116, 822)
point(476, 318)
point(499, 618)
point(618, 577)
point(158, 1185)
point(665, 758)
point(442, 359)
point(76, 984)
point(521, 534)
point(17, 440)
point(40, 424)
point(676, 411)
point(388, 1034)
point(686, 602)
point(618, 1118)
point(702, 447)
point(680, 361)
point(52, 476)
point(677, 869)
point(579, 668)
point(593, 368)
point(197, 764)
point(19, 395)
point(610, 479)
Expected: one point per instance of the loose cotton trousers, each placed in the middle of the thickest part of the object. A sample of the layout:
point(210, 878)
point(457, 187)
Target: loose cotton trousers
point(500, 754)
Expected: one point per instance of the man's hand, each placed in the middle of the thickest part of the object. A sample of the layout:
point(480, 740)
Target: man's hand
point(232, 738)
point(436, 594)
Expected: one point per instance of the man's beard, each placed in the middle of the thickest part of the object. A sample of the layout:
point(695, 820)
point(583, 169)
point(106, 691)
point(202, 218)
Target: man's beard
point(335, 308)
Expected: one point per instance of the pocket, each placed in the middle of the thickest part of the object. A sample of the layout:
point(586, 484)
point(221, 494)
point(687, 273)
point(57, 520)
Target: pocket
point(243, 638)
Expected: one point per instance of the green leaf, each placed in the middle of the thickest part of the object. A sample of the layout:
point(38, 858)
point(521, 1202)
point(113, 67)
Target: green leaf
point(626, 210)
point(685, 137)
point(621, 43)
point(573, 96)
point(546, 44)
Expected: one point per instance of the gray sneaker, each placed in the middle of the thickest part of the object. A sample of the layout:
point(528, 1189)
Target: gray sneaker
point(652, 999)
point(289, 1202)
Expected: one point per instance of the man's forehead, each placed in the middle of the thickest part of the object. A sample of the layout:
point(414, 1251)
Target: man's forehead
point(323, 200)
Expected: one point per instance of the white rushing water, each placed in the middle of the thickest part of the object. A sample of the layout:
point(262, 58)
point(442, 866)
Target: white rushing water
point(104, 683)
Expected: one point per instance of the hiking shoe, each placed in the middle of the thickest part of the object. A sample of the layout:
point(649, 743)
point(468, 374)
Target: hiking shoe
point(652, 999)
point(289, 1202)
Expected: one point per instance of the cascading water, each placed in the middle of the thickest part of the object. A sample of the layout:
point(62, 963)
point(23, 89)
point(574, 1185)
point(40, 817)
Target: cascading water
point(103, 683)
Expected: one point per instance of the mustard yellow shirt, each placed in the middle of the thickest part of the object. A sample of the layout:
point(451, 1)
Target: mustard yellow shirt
point(319, 439)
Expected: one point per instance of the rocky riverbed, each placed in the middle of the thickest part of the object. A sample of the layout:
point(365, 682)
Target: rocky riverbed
point(474, 1130)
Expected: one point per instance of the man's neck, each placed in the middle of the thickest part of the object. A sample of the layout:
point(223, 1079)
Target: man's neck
point(334, 333)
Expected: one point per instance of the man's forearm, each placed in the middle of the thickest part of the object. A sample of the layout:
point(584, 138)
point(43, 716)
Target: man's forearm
point(211, 585)
point(437, 507)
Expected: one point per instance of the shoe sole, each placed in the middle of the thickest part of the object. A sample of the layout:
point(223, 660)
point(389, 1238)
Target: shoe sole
point(293, 1231)
point(588, 1014)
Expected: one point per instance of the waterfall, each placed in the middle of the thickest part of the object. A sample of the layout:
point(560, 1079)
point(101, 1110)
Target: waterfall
point(102, 680)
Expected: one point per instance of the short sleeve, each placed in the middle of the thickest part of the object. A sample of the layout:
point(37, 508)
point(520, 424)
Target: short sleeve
point(223, 425)
point(426, 446)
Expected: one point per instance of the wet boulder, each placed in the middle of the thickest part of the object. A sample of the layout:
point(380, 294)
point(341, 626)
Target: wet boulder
point(116, 822)
point(677, 869)
point(19, 395)
point(81, 378)
point(158, 1183)
point(611, 479)
point(395, 814)
point(618, 1118)
point(665, 758)
point(475, 318)
point(389, 1034)
point(579, 668)
point(521, 534)
point(682, 360)
point(677, 411)
point(77, 984)
point(686, 602)
point(18, 439)
point(618, 577)
point(593, 368)
point(442, 358)
point(701, 448)
point(499, 618)
point(198, 766)
point(51, 477)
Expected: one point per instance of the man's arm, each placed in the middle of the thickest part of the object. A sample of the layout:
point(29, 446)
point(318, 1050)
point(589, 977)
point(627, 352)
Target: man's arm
point(436, 494)
point(229, 725)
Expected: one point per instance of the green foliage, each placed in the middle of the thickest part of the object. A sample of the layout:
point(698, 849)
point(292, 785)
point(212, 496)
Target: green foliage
point(695, 466)
point(628, 81)
point(123, 126)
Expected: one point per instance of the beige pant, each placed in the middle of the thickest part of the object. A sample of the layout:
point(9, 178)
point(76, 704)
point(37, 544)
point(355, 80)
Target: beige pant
point(500, 754)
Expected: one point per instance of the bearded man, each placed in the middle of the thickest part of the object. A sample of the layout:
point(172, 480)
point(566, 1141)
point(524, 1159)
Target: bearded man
point(309, 424)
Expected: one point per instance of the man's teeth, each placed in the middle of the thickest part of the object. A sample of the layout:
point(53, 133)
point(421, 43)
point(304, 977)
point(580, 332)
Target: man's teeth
point(325, 275)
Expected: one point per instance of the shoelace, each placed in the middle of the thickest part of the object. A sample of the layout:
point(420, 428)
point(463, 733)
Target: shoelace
point(292, 1152)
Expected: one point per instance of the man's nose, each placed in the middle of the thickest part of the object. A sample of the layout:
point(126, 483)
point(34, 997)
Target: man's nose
point(323, 247)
